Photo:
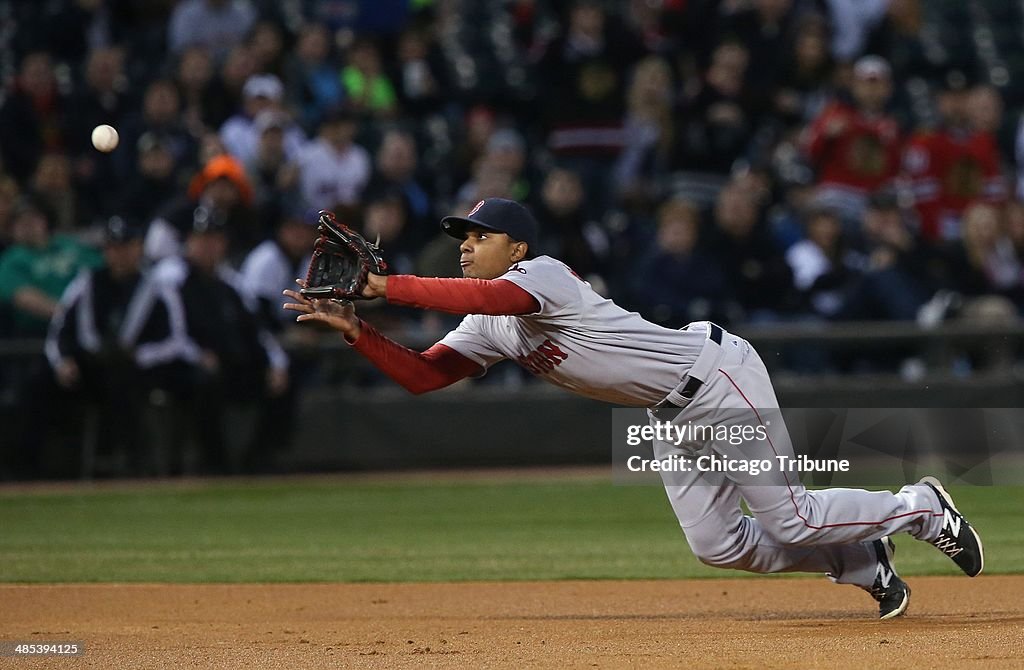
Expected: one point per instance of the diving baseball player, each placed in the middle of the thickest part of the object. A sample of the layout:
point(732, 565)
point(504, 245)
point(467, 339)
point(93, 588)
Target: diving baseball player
point(537, 312)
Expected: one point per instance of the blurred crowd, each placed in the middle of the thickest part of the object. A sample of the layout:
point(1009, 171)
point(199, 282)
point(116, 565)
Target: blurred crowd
point(747, 161)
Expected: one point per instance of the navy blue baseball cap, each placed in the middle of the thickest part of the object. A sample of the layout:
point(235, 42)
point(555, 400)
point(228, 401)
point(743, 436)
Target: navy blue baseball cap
point(499, 215)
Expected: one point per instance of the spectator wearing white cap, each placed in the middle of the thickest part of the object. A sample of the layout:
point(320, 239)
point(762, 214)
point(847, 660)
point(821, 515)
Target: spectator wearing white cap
point(275, 178)
point(240, 134)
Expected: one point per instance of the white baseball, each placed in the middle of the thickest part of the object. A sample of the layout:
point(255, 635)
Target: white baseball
point(104, 138)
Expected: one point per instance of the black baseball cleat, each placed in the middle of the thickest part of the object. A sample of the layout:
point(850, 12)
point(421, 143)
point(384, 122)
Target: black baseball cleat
point(891, 592)
point(958, 540)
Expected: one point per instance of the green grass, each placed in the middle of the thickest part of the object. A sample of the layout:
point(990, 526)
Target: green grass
point(358, 530)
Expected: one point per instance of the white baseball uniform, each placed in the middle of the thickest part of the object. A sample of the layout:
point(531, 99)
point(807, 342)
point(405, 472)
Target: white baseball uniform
point(587, 344)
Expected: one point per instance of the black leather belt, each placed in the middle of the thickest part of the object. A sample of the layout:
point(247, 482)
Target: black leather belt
point(666, 409)
point(717, 332)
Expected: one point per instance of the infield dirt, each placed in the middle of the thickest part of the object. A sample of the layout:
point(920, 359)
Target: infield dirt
point(730, 623)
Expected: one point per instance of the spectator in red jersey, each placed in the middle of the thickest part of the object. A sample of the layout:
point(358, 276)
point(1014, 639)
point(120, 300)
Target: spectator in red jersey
point(855, 146)
point(952, 166)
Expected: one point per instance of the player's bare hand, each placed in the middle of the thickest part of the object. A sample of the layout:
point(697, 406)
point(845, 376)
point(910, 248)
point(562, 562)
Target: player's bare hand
point(301, 303)
point(337, 314)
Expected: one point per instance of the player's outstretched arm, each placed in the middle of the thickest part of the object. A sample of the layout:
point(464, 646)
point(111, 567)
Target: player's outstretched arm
point(417, 372)
point(494, 297)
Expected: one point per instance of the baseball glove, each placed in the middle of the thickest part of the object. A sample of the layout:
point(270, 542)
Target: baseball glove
point(341, 261)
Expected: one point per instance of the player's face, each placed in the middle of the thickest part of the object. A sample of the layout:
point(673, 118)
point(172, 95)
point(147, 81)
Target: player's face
point(487, 254)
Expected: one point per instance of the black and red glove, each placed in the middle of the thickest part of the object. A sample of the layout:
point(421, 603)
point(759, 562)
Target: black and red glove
point(342, 260)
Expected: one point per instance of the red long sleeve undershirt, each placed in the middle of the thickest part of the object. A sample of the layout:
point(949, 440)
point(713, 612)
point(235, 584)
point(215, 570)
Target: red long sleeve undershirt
point(435, 368)
point(495, 297)
point(438, 366)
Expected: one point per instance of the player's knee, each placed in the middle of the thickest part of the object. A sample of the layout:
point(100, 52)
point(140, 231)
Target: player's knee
point(790, 524)
point(789, 530)
point(717, 552)
point(720, 560)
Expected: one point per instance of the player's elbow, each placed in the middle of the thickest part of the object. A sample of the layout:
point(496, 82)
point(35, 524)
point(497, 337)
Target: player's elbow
point(426, 385)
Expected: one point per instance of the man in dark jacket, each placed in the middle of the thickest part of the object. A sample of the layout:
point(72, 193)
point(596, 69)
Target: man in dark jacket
point(212, 355)
point(83, 349)
point(760, 282)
